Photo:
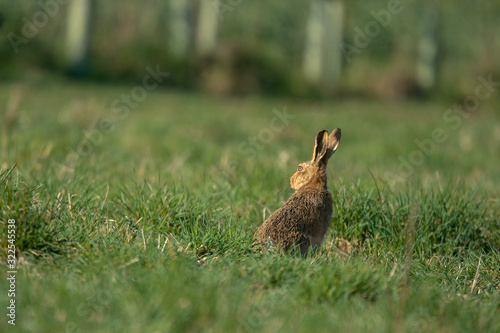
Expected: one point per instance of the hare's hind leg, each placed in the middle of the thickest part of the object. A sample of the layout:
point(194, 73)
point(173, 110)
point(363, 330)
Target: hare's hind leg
point(306, 245)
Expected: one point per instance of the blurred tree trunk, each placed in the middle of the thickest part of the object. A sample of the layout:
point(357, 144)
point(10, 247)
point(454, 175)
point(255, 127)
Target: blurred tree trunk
point(332, 59)
point(428, 51)
point(206, 32)
point(314, 37)
point(78, 36)
point(180, 28)
point(322, 64)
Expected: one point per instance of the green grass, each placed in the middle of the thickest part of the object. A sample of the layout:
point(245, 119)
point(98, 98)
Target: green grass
point(152, 230)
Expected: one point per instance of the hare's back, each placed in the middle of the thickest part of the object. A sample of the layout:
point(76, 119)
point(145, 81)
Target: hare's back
point(303, 213)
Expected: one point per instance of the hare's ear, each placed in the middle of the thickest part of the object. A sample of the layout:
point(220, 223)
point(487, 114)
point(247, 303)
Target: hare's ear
point(333, 143)
point(320, 146)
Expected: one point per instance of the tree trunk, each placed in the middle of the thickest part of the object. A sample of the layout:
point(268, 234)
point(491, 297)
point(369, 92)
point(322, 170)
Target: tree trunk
point(206, 34)
point(428, 47)
point(322, 55)
point(78, 36)
point(180, 28)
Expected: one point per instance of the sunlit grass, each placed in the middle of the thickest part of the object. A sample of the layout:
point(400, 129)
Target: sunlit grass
point(152, 230)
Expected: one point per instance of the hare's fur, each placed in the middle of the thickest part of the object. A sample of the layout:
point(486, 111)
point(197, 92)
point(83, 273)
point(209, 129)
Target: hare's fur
point(304, 218)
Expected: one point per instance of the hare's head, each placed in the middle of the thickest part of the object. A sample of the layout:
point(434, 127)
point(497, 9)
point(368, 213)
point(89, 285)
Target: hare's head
point(313, 172)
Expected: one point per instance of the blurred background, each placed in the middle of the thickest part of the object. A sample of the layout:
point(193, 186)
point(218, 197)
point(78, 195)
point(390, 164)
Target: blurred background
point(240, 81)
point(382, 48)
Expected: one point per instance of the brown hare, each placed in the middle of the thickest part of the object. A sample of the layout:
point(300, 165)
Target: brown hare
point(304, 219)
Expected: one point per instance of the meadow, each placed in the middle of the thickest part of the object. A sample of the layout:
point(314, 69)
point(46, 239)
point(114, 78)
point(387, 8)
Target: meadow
point(138, 215)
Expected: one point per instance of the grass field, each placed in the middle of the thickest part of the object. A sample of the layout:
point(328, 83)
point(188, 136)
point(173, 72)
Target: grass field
point(144, 222)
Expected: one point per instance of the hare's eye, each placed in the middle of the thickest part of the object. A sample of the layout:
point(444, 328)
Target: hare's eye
point(300, 168)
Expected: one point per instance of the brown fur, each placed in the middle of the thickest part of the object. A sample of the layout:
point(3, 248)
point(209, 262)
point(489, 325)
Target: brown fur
point(304, 218)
